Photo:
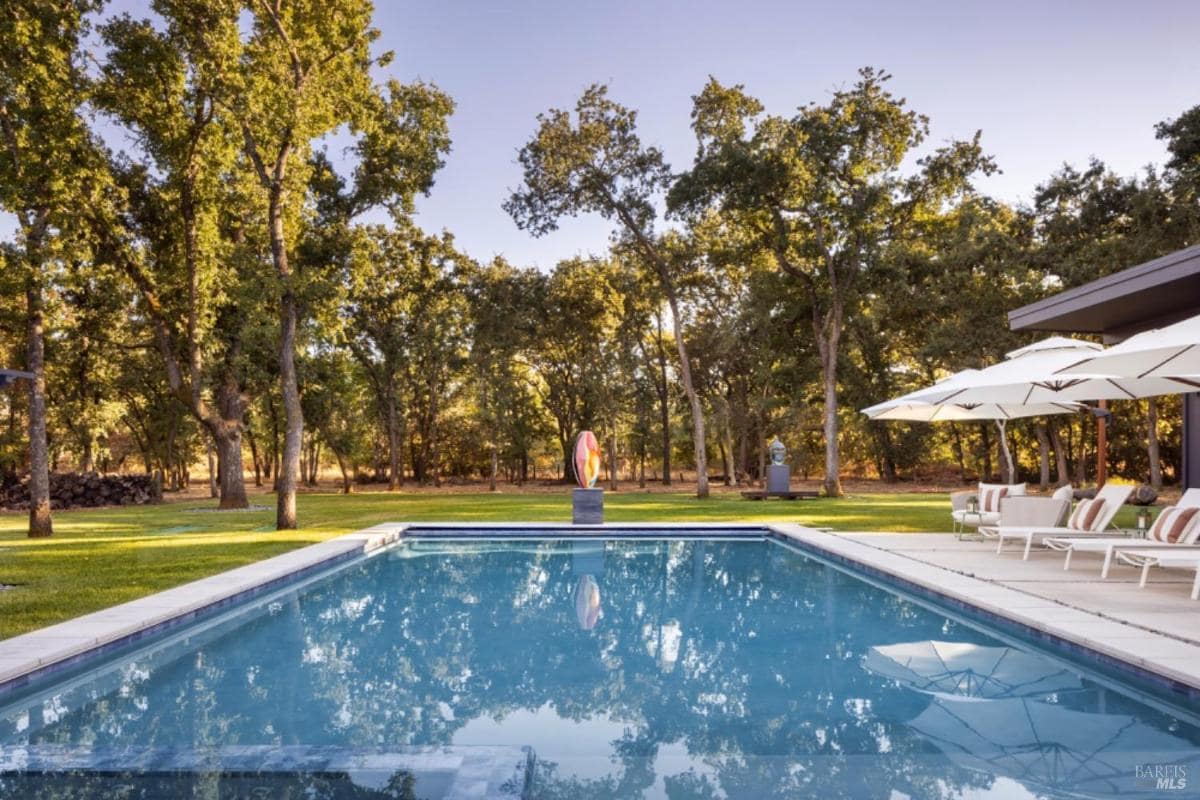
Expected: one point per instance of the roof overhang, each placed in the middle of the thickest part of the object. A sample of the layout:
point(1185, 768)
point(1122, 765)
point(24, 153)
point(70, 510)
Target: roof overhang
point(1117, 306)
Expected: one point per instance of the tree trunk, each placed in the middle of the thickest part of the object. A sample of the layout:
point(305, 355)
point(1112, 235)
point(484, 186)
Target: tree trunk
point(495, 467)
point(1043, 440)
point(612, 461)
point(642, 460)
point(293, 438)
point(212, 469)
point(434, 450)
point(1062, 472)
point(689, 389)
point(87, 461)
point(1152, 449)
point(254, 456)
point(984, 432)
point(230, 468)
point(341, 462)
point(395, 467)
point(827, 344)
point(959, 456)
point(40, 521)
point(1081, 458)
point(762, 457)
point(662, 388)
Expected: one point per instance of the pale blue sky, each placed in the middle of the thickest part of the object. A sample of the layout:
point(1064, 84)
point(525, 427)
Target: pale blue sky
point(1047, 82)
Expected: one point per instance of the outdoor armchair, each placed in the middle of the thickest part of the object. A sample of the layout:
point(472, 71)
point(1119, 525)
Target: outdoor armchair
point(990, 496)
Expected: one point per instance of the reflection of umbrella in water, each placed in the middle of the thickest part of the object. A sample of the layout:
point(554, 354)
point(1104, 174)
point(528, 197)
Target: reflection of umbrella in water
point(969, 670)
point(587, 602)
point(1051, 747)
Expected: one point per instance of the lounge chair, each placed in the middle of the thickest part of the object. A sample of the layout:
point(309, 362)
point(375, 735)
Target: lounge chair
point(1090, 519)
point(988, 497)
point(1178, 557)
point(1159, 535)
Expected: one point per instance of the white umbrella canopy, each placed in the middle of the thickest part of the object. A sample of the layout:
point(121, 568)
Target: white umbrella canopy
point(909, 407)
point(963, 669)
point(1050, 747)
point(954, 412)
point(1172, 352)
point(1031, 375)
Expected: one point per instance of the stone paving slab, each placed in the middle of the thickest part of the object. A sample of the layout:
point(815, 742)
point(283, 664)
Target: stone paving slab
point(1156, 628)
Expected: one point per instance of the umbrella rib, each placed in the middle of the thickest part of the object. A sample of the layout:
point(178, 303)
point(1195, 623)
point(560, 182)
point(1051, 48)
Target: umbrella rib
point(1132, 396)
point(1061, 370)
point(1167, 360)
point(951, 396)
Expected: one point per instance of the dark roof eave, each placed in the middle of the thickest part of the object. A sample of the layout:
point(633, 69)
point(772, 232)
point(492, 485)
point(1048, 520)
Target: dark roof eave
point(1052, 313)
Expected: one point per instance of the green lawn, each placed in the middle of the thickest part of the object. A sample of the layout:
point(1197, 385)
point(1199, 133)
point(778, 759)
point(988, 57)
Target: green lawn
point(98, 558)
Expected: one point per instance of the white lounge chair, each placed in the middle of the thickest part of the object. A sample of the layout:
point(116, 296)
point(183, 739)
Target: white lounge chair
point(1154, 538)
point(988, 498)
point(1113, 497)
point(1177, 557)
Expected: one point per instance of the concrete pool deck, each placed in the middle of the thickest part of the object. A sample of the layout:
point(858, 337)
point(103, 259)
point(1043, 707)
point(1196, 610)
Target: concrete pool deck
point(1156, 629)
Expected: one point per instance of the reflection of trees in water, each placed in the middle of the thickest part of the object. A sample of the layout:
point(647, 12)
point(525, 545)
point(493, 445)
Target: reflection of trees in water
point(743, 654)
point(206, 786)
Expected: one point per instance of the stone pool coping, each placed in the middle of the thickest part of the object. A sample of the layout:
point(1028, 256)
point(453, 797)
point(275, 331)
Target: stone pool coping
point(29, 656)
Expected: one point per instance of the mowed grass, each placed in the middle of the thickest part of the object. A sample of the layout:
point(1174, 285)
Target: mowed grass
point(102, 557)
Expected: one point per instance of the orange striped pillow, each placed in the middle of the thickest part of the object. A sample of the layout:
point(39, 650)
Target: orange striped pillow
point(1091, 519)
point(1075, 523)
point(1172, 525)
point(992, 498)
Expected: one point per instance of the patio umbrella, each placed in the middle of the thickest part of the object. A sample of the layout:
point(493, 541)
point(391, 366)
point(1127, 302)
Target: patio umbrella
point(1031, 375)
point(909, 407)
point(1050, 747)
point(963, 669)
point(8, 376)
point(1172, 353)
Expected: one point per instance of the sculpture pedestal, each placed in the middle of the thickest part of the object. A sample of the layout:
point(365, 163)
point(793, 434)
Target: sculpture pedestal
point(779, 479)
point(587, 507)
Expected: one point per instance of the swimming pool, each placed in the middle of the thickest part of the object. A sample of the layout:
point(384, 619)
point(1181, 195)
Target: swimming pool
point(683, 667)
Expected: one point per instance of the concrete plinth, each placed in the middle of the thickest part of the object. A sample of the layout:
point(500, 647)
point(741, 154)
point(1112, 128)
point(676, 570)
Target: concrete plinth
point(779, 478)
point(587, 507)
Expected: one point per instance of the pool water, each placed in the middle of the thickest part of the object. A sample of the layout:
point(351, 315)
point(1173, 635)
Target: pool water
point(697, 668)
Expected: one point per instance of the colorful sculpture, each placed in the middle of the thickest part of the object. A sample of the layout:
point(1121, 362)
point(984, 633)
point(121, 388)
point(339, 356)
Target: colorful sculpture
point(587, 459)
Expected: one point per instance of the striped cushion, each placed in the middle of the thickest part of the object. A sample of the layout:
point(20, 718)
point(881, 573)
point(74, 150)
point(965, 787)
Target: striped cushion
point(1087, 516)
point(1075, 523)
point(1092, 520)
point(992, 497)
point(1175, 525)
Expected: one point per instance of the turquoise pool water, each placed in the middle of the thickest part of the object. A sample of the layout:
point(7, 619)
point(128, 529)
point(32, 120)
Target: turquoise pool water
point(594, 669)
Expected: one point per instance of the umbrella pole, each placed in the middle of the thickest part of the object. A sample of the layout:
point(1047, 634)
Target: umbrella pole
point(1008, 459)
point(1102, 447)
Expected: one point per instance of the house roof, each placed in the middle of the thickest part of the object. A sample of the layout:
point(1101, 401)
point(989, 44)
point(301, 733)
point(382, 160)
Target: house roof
point(1149, 295)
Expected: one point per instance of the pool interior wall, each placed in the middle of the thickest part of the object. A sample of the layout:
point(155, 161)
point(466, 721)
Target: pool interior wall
point(728, 579)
